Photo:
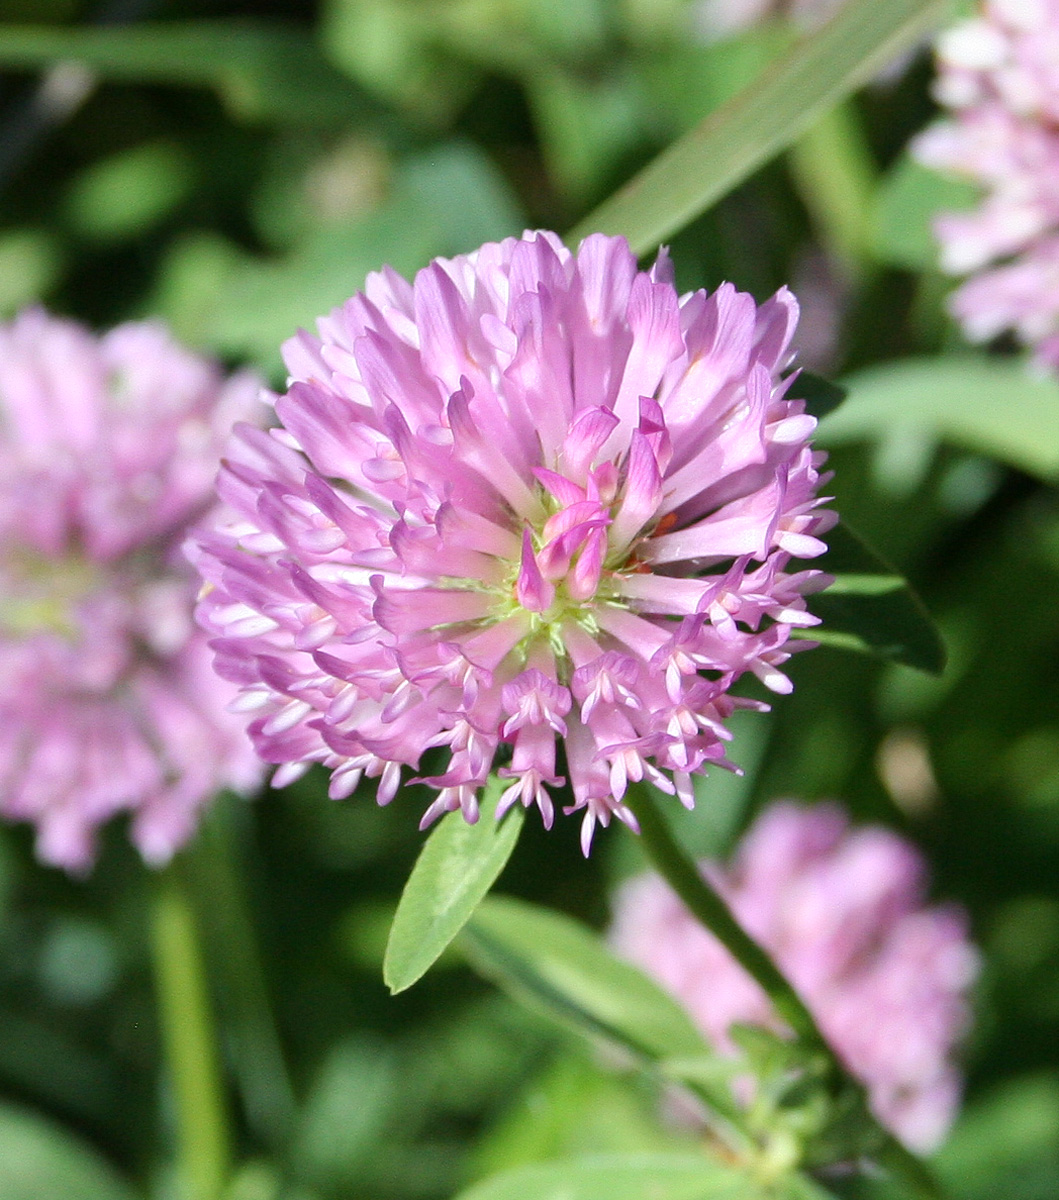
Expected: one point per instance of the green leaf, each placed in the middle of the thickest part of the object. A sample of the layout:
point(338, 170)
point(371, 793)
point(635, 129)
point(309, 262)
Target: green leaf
point(456, 868)
point(686, 80)
point(586, 124)
point(263, 71)
point(343, 1116)
point(871, 608)
point(390, 48)
point(444, 202)
point(993, 406)
point(577, 1106)
point(621, 1177)
point(30, 263)
point(906, 203)
point(40, 1159)
point(554, 964)
point(761, 121)
point(1006, 1143)
point(127, 193)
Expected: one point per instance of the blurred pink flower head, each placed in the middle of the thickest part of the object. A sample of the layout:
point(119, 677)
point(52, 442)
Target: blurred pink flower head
point(531, 497)
point(718, 19)
point(108, 449)
point(842, 912)
point(999, 75)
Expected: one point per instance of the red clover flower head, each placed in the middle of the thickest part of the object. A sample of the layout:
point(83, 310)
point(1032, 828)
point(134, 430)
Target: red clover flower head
point(531, 498)
point(841, 911)
point(108, 451)
point(998, 74)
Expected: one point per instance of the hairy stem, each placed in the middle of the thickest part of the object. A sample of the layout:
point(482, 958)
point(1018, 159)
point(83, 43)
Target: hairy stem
point(709, 907)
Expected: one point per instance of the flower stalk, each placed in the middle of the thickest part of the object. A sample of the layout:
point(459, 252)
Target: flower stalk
point(259, 1070)
point(189, 1040)
point(712, 911)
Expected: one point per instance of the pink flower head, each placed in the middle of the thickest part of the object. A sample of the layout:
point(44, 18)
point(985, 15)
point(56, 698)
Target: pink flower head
point(108, 449)
point(721, 18)
point(532, 498)
point(999, 74)
point(842, 912)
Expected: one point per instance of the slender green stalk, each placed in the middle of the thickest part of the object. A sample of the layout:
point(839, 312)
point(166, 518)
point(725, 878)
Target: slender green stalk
point(679, 870)
point(835, 175)
point(188, 1038)
point(705, 903)
point(260, 1070)
point(742, 135)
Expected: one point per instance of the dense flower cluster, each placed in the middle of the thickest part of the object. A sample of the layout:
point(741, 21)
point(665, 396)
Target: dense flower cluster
point(108, 450)
point(532, 496)
point(842, 913)
point(999, 74)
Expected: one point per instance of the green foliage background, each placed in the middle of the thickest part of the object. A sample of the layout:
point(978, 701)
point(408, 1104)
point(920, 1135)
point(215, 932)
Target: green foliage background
point(237, 168)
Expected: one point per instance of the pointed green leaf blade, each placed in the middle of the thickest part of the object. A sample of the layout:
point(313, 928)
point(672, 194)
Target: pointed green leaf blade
point(552, 963)
point(456, 868)
point(906, 203)
point(731, 143)
point(993, 406)
point(620, 1177)
point(871, 607)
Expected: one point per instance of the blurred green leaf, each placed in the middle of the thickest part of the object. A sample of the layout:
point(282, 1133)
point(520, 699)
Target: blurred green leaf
point(51, 1065)
point(620, 1177)
point(577, 1107)
point(40, 1160)
point(344, 1113)
point(687, 80)
point(390, 47)
point(993, 406)
point(312, 183)
point(767, 117)
point(262, 70)
point(906, 202)
point(586, 124)
point(197, 271)
point(556, 965)
point(871, 608)
point(446, 201)
point(456, 867)
point(1007, 1144)
point(127, 193)
point(29, 265)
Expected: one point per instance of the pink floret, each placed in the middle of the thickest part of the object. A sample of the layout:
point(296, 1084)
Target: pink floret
point(108, 451)
point(532, 500)
point(842, 912)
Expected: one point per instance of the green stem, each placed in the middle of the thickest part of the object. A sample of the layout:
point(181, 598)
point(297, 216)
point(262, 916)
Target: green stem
point(188, 1039)
point(835, 175)
point(258, 1063)
point(682, 874)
